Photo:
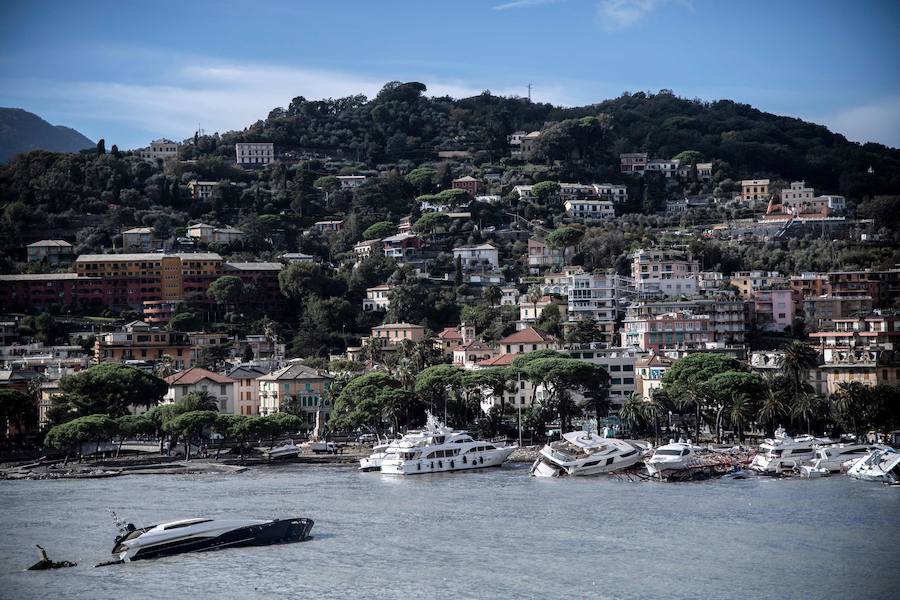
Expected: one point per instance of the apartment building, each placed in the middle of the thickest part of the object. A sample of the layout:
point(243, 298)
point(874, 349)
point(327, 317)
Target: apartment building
point(680, 329)
point(247, 388)
point(664, 272)
point(377, 298)
point(299, 389)
point(138, 239)
point(633, 163)
point(599, 296)
point(589, 210)
point(202, 190)
point(220, 387)
point(612, 192)
point(402, 247)
point(727, 319)
point(748, 282)
point(478, 257)
point(772, 309)
point(139, 341)
point(161, 149)
point(255, 154)
point(46, 290)
point(468, 184)
point(754, 189)
point(51, 252)
point(541, 255)
point(860, 349)
point(620, 364)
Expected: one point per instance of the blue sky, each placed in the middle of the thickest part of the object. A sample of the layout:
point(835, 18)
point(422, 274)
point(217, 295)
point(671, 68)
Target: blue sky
point(133, 71)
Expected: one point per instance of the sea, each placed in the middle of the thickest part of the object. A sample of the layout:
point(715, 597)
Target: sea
point(494, 533)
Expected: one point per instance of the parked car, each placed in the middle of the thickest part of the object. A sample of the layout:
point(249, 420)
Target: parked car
point(367, 438)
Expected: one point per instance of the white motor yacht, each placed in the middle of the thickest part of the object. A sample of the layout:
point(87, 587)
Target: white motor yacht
point(373, 461)
point(832, 457)
point(197, 535)
point(879, 465)
point(674, 456)
point(586, 453)
point(438, 448)
point(784, 453)
point(288, 450)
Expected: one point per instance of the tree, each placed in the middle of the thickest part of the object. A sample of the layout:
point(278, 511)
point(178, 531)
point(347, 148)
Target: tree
point(632, 412)
point(770, 409)
point(132, 425)
point(740, 413)
point(545, 191)
point(725, 387)
point(247, 355)
point(190, 424)
point(795, 361)
point(74, 433)
point(278, 424)
point(227, 290)
point(584, 331)
point(107, 388)
point(493, 379)
point(101, 146)
point(198, 401)
point(18, 412)
point(185, 321)
point(493, 294)
point(549, 321)
point(685, 381)
point(564, 237)
point(440, 382)
point(379, 230)
point(560, 376)
point(805, 407)
point(430, 222)
point(358, 404)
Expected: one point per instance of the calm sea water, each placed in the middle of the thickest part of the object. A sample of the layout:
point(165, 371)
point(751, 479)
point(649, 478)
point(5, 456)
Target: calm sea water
point(490, 534)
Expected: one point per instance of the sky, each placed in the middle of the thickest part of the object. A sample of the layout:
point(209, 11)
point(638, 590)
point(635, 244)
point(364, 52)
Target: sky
point(131, 72)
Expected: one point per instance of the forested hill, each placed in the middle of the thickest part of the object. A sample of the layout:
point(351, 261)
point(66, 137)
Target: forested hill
point(403, 124)
point(21, 131)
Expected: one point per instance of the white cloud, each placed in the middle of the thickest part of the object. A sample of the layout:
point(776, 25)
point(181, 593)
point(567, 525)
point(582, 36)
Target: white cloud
point(877, 121)
point(224, 96)
point(523, 4)
point(621, 14)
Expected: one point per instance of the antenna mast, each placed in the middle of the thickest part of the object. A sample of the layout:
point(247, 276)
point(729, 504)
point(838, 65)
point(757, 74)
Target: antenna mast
point(529, 92)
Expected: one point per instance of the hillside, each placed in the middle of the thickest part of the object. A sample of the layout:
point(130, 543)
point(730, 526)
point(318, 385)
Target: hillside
point(21, 131)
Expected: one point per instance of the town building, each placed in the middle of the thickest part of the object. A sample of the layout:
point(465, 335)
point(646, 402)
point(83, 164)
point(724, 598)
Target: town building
point(727, 318)
point(391, 334)
point(50, 252)
point(527, 340)
point(161, 149)
point(748, 282)
point(478, 257)
point(541, 255)
point(820, 312)
point(468, 184)
point(377, 298)
point(633, 163)
point(472, 352)
point(619, 363)
point(704, 170)
point(220, 387)
point(668, 167)
point(649, 371)
point(452, 338)
point(350, 182)
point(530, 311)
point(860, 349)
point(326, 226)
point(159, 312)
point(202, 190)
point(797, 194)
point(610, 191)
point(882, 286)
point(297, 257)
point(664, 272)
point(772, 309)
point(262, 277)
point(254, 154)
point(528, 143)
point(139, 341)
point(680, 329)
point(41, 291)
point(366, 248)
point(209, 234)
point(138, 239)
point(247, 393)
point(131, 279)
point(754, 189)
point(589, 210)
point(297, 389)
point(402, 247)
point(601, 297)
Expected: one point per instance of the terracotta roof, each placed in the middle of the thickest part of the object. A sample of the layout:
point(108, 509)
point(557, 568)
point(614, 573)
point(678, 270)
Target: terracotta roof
point(654, 360)
point(504, 360)
point(450, 333)
point(194, 375)
point(529, 335)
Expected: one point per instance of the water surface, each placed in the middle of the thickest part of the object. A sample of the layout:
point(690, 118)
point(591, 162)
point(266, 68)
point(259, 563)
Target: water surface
point(495, 533)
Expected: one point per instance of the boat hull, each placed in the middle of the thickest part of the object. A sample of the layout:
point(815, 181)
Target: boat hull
point(547, 467)
point(280, 531)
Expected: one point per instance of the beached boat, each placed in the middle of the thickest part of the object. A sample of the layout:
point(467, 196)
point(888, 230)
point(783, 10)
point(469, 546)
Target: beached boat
point(438, 449)
point(373, 461)
point(586, 453)
point(832, 457)
point(288, 450)
point(784, 453)
point(879, 465)
point(673, 457)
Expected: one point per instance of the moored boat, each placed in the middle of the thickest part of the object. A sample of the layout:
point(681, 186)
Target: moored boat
point(784, 453)
point(438, 449)
point(881, 465)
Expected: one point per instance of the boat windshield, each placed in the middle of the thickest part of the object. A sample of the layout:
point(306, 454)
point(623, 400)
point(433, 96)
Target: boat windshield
point(185, 523)
point(669, 452)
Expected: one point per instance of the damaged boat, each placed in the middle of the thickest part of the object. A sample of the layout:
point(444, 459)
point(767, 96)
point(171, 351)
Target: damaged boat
point(586, 453)
point(879, 465)
point(199, 535)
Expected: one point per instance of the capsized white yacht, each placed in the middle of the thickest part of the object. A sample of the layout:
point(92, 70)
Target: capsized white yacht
point(197, 535)
point(879, 465)
point(784, 453)
point(586, 453)
point(832, 457)
point(672, 457)
point(438, 448)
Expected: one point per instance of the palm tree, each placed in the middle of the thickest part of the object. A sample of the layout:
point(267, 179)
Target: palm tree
point(771, 408)
point(632, 411)
point(694, 397)
point(795, 361)
point(654, 409)
point(534, 296)
point(370, 351)
point(805, 407)
point(739, 413)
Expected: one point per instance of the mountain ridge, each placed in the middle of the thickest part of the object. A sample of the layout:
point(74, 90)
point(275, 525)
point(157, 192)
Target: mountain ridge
point(23, 131)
